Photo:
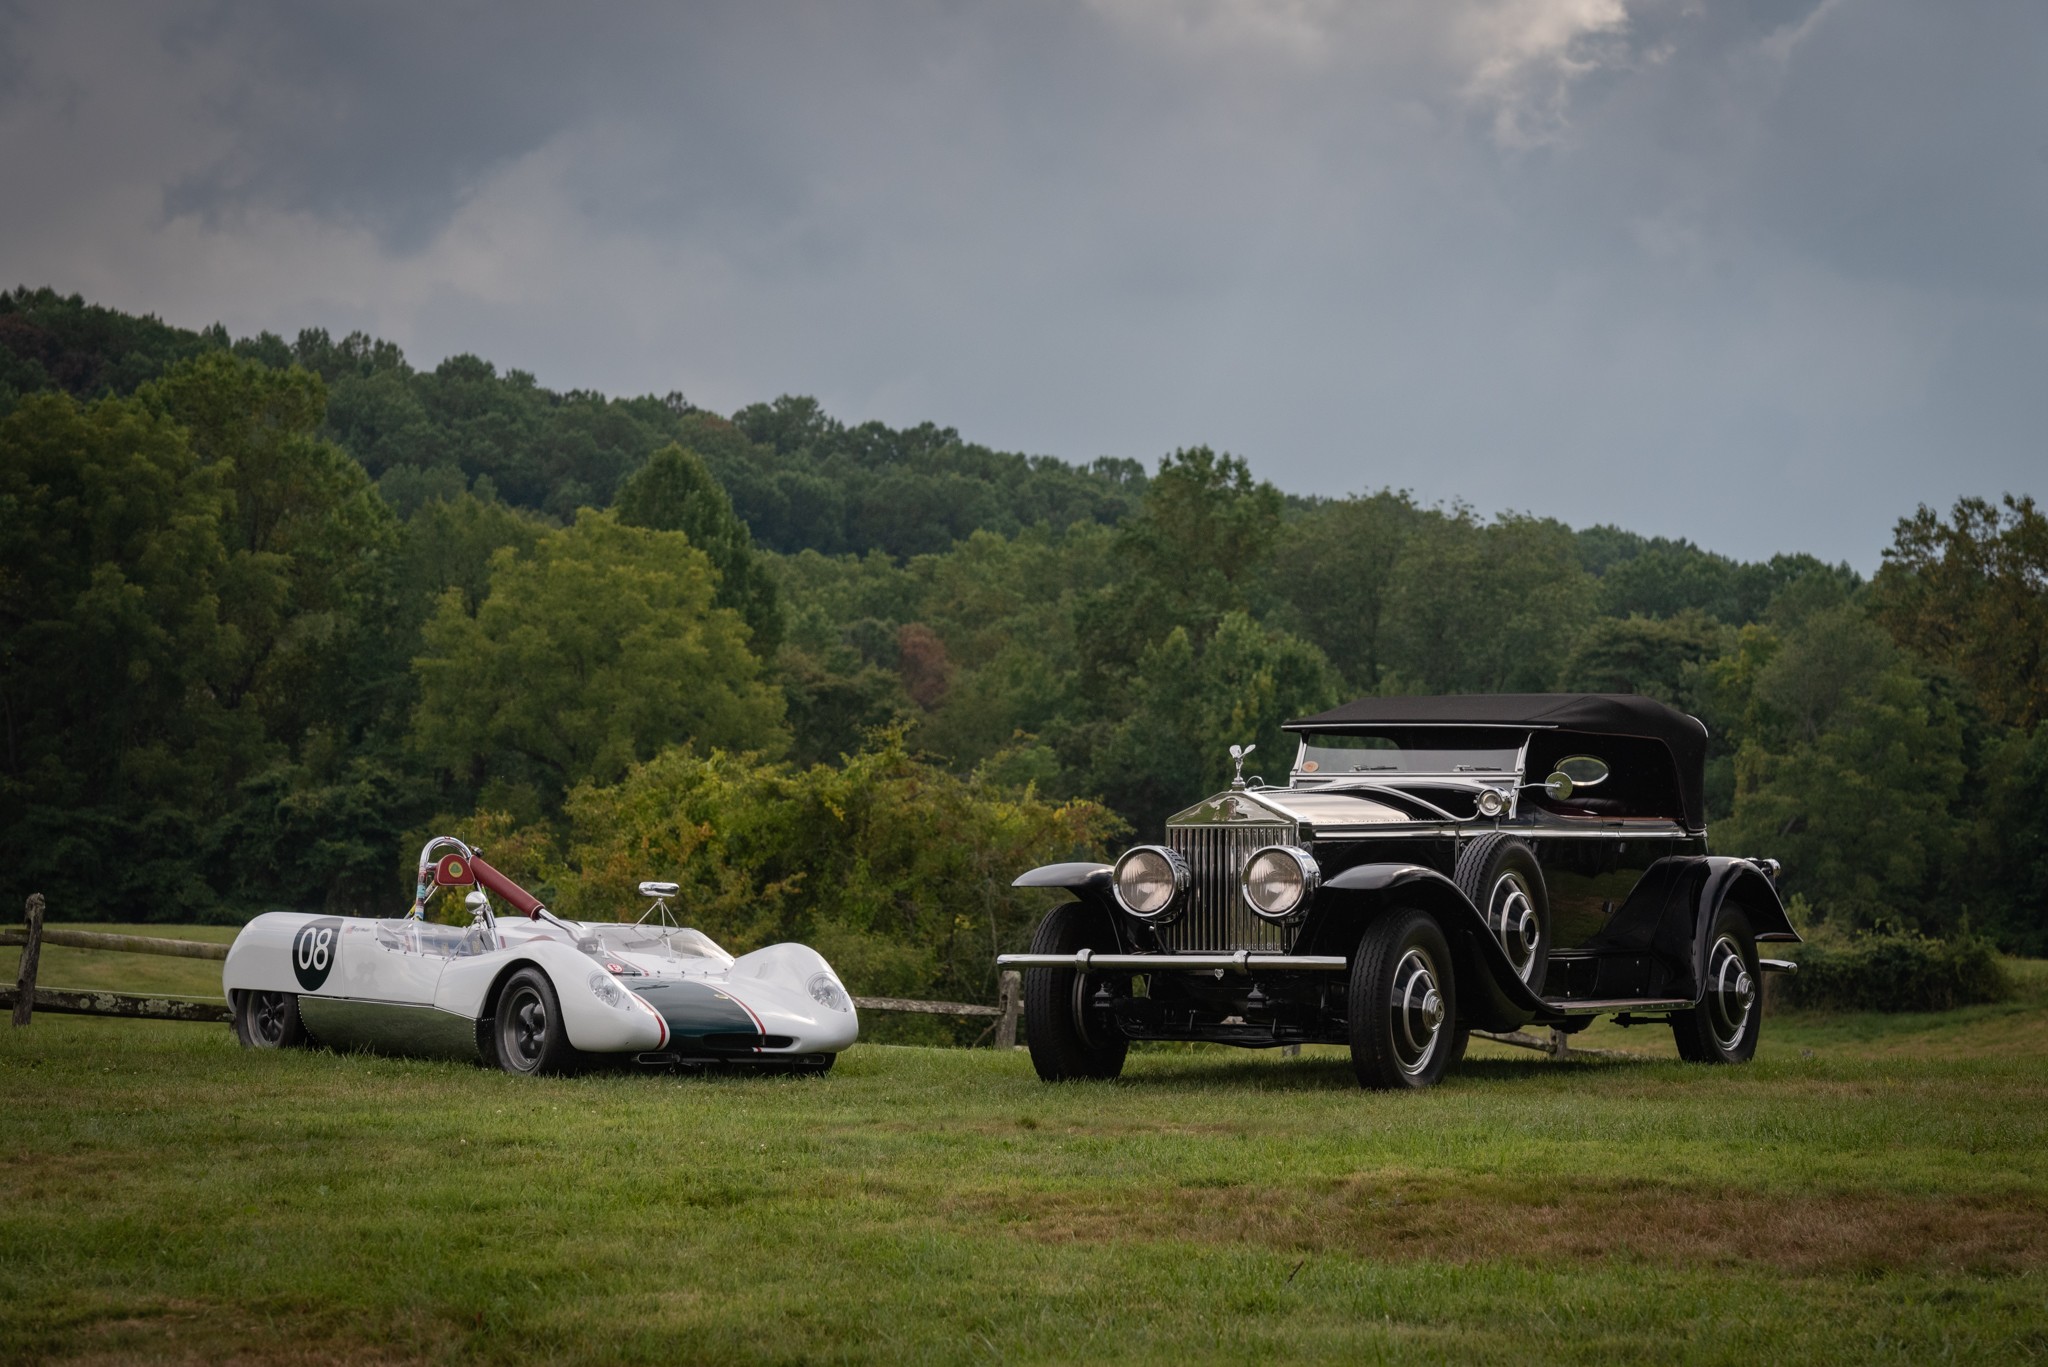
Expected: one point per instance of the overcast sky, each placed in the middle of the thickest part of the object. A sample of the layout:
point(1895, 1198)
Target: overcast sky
point(1764, 275)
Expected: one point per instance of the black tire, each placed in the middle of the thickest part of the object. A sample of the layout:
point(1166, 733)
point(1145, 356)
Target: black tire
point(1461, 1040)
point(1056, 1025)
point(1403, 1004)
point(530, 1036)
point(268, 1020)
point(1724, 1027)
point(1501, 877)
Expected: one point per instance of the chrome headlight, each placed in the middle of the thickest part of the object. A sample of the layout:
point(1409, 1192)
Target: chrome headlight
point(1149, 880)
point(1492, 802)
point(1279, 880)
point(826, 992)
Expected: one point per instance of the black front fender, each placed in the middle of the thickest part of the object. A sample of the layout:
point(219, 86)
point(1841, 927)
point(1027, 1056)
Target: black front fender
point(1077, 877)
point(1491, 996)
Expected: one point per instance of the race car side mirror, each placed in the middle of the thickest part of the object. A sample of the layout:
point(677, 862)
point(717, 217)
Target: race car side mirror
point(660, 889)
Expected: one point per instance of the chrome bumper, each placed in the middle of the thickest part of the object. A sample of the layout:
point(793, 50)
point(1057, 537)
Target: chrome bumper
point(1241, 961)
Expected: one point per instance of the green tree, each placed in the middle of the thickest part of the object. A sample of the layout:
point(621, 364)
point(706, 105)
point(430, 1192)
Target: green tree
point(1192, 701)
point(1972, 594)
point(115, 660)
point(597, 650)
point(1332, 574)
point(674, 492)
point(312, 549)
point(898, 871)
point(1485, 608)
point(1657, 658)
point(1860, 814)
point(1200, 540)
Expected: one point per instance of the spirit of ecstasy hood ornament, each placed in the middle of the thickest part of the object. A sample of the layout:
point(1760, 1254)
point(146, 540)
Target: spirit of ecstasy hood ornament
point(1237, 754)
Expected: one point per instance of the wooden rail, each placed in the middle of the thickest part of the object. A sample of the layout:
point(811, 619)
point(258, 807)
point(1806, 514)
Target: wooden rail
point(126, 944)
point(65, 1001)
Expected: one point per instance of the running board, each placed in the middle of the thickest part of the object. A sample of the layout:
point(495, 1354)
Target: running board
point(1565, 1006)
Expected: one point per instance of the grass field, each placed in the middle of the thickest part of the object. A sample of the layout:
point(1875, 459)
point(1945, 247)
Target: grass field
point(1871, 1189)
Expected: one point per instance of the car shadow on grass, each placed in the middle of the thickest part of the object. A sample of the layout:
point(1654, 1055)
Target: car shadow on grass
point(1332, 1072)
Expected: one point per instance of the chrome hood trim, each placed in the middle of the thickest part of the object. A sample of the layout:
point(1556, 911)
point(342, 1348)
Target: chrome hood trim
point(1314, 813)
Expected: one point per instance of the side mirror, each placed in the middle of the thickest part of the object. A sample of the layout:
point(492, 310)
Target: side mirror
point(1583, 770)
point(660, 889)
point(1559, 785)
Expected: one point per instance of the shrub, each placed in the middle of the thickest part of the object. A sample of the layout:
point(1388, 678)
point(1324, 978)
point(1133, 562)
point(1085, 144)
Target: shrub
point(1896, 971)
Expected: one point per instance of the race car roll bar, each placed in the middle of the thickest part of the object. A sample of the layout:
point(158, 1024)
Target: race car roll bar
point(462, 867)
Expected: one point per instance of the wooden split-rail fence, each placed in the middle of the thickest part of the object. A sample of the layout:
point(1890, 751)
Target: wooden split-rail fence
point(28, 997)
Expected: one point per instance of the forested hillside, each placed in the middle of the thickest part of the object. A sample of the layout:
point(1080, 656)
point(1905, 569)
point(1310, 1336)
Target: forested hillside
point(272, 612)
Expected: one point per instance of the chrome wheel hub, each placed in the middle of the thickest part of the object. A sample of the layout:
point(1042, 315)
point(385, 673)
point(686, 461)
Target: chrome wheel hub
point(1511, 916)
point(529, 1027)
point(1418, 1012)
point(268, 1017)
point(1731, 993)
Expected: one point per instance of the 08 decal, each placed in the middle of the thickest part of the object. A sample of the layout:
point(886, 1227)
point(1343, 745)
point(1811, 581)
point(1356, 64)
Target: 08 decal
point(314, 950)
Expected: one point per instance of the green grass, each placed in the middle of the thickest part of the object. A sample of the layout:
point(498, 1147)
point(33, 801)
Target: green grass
point(1871, 1189)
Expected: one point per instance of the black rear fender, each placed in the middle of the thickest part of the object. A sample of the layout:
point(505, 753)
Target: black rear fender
point(1490, 994)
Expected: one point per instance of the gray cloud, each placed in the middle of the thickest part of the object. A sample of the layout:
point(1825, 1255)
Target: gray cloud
point(1764, 275)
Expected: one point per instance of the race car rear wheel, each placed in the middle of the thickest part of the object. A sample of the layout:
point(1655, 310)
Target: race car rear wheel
point(1067, 1036)
point(268, 1020)
point(531, 1038)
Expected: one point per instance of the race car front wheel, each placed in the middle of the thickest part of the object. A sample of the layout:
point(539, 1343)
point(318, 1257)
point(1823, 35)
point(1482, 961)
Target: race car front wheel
point(530, 1036)
point(268, 1020)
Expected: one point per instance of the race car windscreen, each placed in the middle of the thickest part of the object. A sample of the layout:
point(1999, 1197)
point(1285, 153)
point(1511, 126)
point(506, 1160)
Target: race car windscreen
point(1433, 751)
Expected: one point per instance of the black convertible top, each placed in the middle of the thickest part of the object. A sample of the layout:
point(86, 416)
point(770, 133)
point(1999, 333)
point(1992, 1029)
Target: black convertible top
point(1599, 714)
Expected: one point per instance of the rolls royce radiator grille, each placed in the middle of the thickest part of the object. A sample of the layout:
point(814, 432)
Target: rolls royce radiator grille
point(1216, 917)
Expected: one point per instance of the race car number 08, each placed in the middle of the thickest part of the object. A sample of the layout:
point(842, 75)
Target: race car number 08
point(313, 951)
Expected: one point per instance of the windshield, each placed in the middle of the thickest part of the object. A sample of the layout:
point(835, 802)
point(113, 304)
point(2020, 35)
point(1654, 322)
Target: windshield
point(661, 942)
point(1336, 756)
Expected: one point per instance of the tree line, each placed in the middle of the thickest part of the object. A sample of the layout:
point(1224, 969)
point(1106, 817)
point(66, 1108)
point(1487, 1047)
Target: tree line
point(270, 613)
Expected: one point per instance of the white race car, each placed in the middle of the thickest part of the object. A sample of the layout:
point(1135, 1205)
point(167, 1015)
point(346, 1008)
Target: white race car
point(537, 995)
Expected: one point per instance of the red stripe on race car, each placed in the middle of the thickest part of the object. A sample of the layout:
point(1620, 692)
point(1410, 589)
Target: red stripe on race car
point(659, 1019)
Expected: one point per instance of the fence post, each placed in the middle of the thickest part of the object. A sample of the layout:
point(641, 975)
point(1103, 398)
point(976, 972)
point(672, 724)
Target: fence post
point(1011, 1000)
point(31, 952)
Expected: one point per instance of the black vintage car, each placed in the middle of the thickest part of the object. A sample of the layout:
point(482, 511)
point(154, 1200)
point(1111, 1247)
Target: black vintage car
point(1433, 866)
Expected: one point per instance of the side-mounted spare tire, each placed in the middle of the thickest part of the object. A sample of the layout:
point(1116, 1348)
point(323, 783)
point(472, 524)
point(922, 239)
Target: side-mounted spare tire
point(1501, 877)
point(1064, 1041)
